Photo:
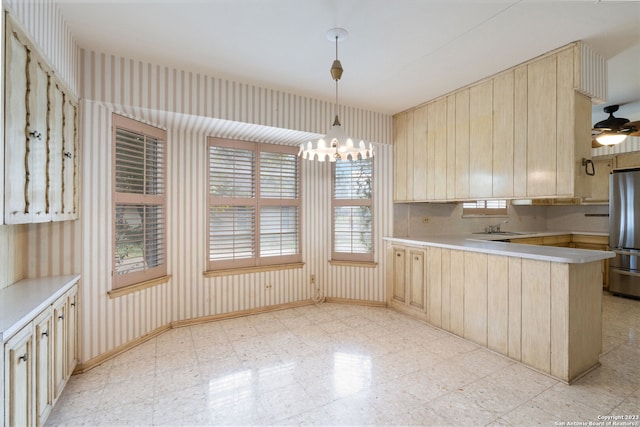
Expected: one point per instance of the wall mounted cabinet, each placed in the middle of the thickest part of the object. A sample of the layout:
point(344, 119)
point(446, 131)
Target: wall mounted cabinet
point(41, 138)
point(521, 133)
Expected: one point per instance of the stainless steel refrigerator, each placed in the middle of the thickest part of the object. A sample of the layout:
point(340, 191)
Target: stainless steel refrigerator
point(624, 232)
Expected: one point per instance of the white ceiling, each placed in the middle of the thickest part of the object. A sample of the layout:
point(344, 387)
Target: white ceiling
point(398, 53)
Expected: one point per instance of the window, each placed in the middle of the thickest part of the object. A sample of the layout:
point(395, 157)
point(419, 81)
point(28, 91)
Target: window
point(352, 210)
point(254, 204)
point(485, 207)
point(139, 202)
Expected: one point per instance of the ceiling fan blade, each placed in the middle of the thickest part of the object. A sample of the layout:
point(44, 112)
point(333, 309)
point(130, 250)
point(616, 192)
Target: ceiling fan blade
point(634, 128)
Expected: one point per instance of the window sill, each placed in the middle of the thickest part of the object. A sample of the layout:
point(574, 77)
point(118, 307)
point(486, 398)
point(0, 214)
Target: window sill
point(129, 289)
point(366, 264)
point(258, 269)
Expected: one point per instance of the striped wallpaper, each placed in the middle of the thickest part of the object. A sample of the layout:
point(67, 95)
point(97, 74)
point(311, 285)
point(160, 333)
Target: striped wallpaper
point(191, 107)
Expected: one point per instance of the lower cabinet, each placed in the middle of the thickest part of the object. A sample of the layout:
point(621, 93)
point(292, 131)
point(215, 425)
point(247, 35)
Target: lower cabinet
point(406, 279)
point(38, 361)
point(19, 396)
point(599, 243)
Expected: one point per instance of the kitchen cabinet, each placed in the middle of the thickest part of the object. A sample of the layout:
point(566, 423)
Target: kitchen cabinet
point(40, 346)
point(627, 160)
point(519, 134)
point(19, 396)
point(593, 242)
point(43, 354)
point(406, 280)
point(40, 138)
point(600, 182)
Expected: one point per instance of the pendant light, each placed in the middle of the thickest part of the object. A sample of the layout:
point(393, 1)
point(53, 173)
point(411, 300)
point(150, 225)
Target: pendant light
point(336, 144)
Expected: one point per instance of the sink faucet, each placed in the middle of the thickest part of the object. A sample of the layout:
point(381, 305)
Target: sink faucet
point(495, 228)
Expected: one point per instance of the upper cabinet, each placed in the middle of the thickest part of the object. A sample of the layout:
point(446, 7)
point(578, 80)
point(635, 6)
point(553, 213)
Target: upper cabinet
point(40, 140)
point(520, 134)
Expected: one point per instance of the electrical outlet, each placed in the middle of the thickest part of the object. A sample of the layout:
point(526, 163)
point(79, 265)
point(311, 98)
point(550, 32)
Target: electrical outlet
point(313, 279)
point(425, 219)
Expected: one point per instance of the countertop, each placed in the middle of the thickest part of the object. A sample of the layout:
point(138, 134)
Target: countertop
point(24, 300)
point(482, 243)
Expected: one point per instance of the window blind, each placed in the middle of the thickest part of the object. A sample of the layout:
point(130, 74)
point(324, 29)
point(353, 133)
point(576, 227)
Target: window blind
point(139, 204)
point(352, 210)
point(231, 172)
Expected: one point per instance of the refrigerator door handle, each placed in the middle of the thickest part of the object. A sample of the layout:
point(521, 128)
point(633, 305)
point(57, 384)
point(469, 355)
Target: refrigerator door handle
point(625, 273)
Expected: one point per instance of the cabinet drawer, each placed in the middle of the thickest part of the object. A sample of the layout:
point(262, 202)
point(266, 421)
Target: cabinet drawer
point(602, 241)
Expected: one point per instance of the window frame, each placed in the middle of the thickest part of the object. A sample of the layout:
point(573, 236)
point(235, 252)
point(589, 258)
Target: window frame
point(367, 257)
point(135, 199)
point(485, 210)
point(258, 202)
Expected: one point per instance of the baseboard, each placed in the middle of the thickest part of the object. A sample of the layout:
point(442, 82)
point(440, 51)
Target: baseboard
point(355, 302)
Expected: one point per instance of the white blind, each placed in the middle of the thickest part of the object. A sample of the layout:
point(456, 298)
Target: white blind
point(139, 211)
point(352, 229)
point(139, 163)
point(254, 204)
point(485, 204)
point(353, 179)
point(352, 210)
point(231, 172)
point(279, 230)
point(231, 232)
point(139, 238)
point(278, 175)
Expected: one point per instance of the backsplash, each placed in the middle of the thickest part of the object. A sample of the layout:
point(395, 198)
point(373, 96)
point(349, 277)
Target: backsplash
point(446, 218)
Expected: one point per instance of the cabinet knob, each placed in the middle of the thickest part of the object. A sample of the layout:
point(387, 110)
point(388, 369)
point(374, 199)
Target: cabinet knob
point(398, 254)
point(23, 357)
point(36, 134)
point(67, 154)
point(417, 259)
point(61, 317)
point(73, 304)
point(45, 334)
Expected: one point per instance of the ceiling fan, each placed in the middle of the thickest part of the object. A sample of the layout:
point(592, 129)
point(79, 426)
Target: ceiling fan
point(613, 130)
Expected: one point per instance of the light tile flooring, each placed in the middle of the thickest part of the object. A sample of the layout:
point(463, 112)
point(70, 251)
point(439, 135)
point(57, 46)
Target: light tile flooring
point(346, 365)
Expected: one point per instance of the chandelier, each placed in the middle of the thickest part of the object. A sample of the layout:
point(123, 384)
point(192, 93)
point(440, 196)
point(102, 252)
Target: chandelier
point(336, 144)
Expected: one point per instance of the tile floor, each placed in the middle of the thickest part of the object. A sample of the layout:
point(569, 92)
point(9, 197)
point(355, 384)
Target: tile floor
point(346, 365)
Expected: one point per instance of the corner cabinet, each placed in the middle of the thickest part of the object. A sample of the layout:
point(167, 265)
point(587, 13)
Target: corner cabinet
point(40, 346)
point(40, 139)
point(519, 134)
point(406, 279)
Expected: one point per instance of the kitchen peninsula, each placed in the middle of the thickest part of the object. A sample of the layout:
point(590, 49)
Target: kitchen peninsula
point(538, 305)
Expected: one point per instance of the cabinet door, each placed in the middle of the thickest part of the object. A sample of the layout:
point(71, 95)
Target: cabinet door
point(54, 148)
point(462, 145)
point(541, 127)
point(59, 346)
point(43, 383)
point(70, 162)
point(399, 274)
point(400, 135)
point(417, 279)
point(420, 154)
point(503, 134)
point(19, 379)
point(37, 142)
point(16, 56)
point(600, 181)
point(72, 331)
point(437, 148)
point(481, 137)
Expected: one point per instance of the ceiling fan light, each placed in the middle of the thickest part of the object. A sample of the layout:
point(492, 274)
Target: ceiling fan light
point(611, 138)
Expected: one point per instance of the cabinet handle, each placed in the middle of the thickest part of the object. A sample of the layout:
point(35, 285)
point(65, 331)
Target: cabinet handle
point(61, 317)
point(36, 134)
point(398, 254)
point(417, 259)
point(67, 154)
point(23, 357)
point(45, 334)
point(73, 304)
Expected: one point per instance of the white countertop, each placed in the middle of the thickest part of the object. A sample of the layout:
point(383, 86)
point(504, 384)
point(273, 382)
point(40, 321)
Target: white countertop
point(24, 300)
point(477, 243)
